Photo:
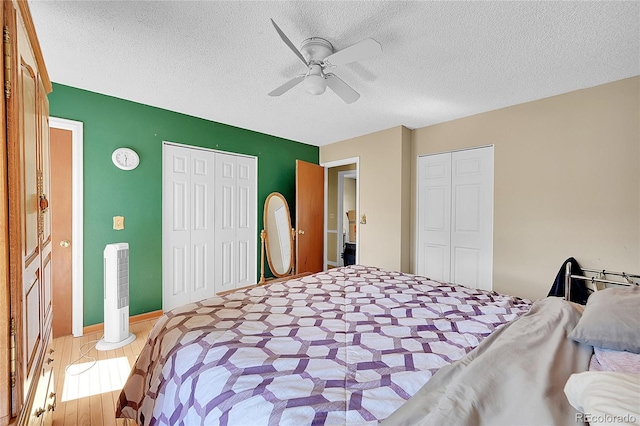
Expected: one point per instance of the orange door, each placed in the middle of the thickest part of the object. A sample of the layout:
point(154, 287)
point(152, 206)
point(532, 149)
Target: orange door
point(309, 217)
point(61, 214)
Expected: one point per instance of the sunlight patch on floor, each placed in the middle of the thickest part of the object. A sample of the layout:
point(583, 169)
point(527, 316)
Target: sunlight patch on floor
point(95, 377)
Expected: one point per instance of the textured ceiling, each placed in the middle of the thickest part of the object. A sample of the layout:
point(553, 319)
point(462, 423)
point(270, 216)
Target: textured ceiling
point(440, 60)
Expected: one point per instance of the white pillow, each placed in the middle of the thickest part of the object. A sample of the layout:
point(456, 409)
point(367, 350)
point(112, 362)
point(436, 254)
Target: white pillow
point(605, 397)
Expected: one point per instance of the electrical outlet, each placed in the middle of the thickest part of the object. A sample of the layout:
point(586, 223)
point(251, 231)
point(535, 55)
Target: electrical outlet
point(363, 219)
point(118, 223)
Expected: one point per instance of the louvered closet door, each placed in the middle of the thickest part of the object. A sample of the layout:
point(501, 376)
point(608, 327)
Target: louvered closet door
point(236, 233)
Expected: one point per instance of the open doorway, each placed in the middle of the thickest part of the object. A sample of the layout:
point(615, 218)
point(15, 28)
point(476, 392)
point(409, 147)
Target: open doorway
point(341, 213)
point(346, 215)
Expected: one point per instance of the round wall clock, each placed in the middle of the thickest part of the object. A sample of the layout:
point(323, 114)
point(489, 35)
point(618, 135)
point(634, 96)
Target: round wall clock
point(125, 158)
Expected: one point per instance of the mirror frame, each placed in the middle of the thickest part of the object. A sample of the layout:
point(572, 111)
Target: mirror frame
point(289, 233)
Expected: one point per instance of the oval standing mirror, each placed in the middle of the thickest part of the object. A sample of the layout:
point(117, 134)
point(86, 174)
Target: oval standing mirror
point(278, 237)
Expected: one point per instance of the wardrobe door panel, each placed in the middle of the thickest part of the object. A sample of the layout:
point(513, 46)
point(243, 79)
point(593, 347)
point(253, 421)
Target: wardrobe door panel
point(27, 300)
point(45, 154)
point(32, 324)
point(28, 124)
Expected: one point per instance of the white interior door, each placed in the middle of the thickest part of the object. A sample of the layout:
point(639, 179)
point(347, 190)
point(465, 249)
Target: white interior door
point(209, 223)
point(176, 225)
point(235, 222)
point(226, 222)
point(434, 216)
point(455, 217)
point(202, 224)
point(472, 218)
point(246, 210)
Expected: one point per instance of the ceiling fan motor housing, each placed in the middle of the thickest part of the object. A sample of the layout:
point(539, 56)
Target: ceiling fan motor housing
point(315, 49)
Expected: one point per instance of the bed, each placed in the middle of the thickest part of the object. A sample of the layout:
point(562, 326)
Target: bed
point(350, 345)
point(358, 345)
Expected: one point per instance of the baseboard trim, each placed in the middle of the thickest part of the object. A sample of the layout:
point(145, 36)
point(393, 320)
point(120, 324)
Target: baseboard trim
point(95, 328)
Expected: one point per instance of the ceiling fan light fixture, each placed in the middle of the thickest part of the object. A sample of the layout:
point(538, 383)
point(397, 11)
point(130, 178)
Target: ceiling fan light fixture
point(318, 56)
point(315, 84)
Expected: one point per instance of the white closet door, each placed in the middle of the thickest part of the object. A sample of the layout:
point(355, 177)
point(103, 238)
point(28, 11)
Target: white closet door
point(209, 223)
point(455, 217)
point(434, 216)
point(226, 219)
point(176, 225)
point(202, 224)
point(246, 235)
point(472, 218)
point(235, 222)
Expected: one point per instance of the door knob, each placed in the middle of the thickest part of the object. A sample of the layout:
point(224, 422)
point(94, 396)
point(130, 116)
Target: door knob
point(65, 243)
point(300, 231)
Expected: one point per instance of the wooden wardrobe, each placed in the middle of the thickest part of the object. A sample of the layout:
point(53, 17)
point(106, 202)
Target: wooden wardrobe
point(26, 381)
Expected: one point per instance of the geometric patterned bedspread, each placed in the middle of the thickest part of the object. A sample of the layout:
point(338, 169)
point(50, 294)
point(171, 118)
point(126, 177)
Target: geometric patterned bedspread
point(346, 346)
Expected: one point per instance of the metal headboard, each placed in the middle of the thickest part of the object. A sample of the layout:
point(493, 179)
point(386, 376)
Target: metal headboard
point(628, 278)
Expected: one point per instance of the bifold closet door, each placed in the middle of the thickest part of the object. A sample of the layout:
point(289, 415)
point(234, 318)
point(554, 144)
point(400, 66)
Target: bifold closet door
point(472, 217)
point(235, 222)
point(455, 217)
point(434, 216)
point(188, 225)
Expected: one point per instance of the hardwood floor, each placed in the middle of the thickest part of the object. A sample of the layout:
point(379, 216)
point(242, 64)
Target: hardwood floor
point(87, 390)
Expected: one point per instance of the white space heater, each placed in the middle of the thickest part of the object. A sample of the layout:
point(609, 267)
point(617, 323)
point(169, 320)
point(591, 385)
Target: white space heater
point(116, 298)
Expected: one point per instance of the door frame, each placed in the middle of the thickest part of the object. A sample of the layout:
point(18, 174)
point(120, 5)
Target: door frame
point(77, 218)
point(337, 163)
point(347, 174)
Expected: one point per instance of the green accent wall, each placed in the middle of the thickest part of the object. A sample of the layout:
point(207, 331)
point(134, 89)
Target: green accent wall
point(110, 123)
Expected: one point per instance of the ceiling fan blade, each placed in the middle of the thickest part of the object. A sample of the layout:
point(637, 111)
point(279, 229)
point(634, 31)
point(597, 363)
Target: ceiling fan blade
point(342, 89)
point(364, 49)
point(288, 85)
point(288, 43)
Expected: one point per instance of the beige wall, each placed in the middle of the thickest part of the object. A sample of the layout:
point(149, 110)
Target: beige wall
point(384, 194)
point(567, 183)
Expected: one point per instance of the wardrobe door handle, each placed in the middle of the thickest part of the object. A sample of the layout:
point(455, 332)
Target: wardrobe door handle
point(300, 231)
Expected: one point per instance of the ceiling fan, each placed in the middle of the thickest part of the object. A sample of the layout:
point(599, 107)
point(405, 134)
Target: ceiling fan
point(317, 55)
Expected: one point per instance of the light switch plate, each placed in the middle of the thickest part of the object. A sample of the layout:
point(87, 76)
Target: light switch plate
point(118, 223)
